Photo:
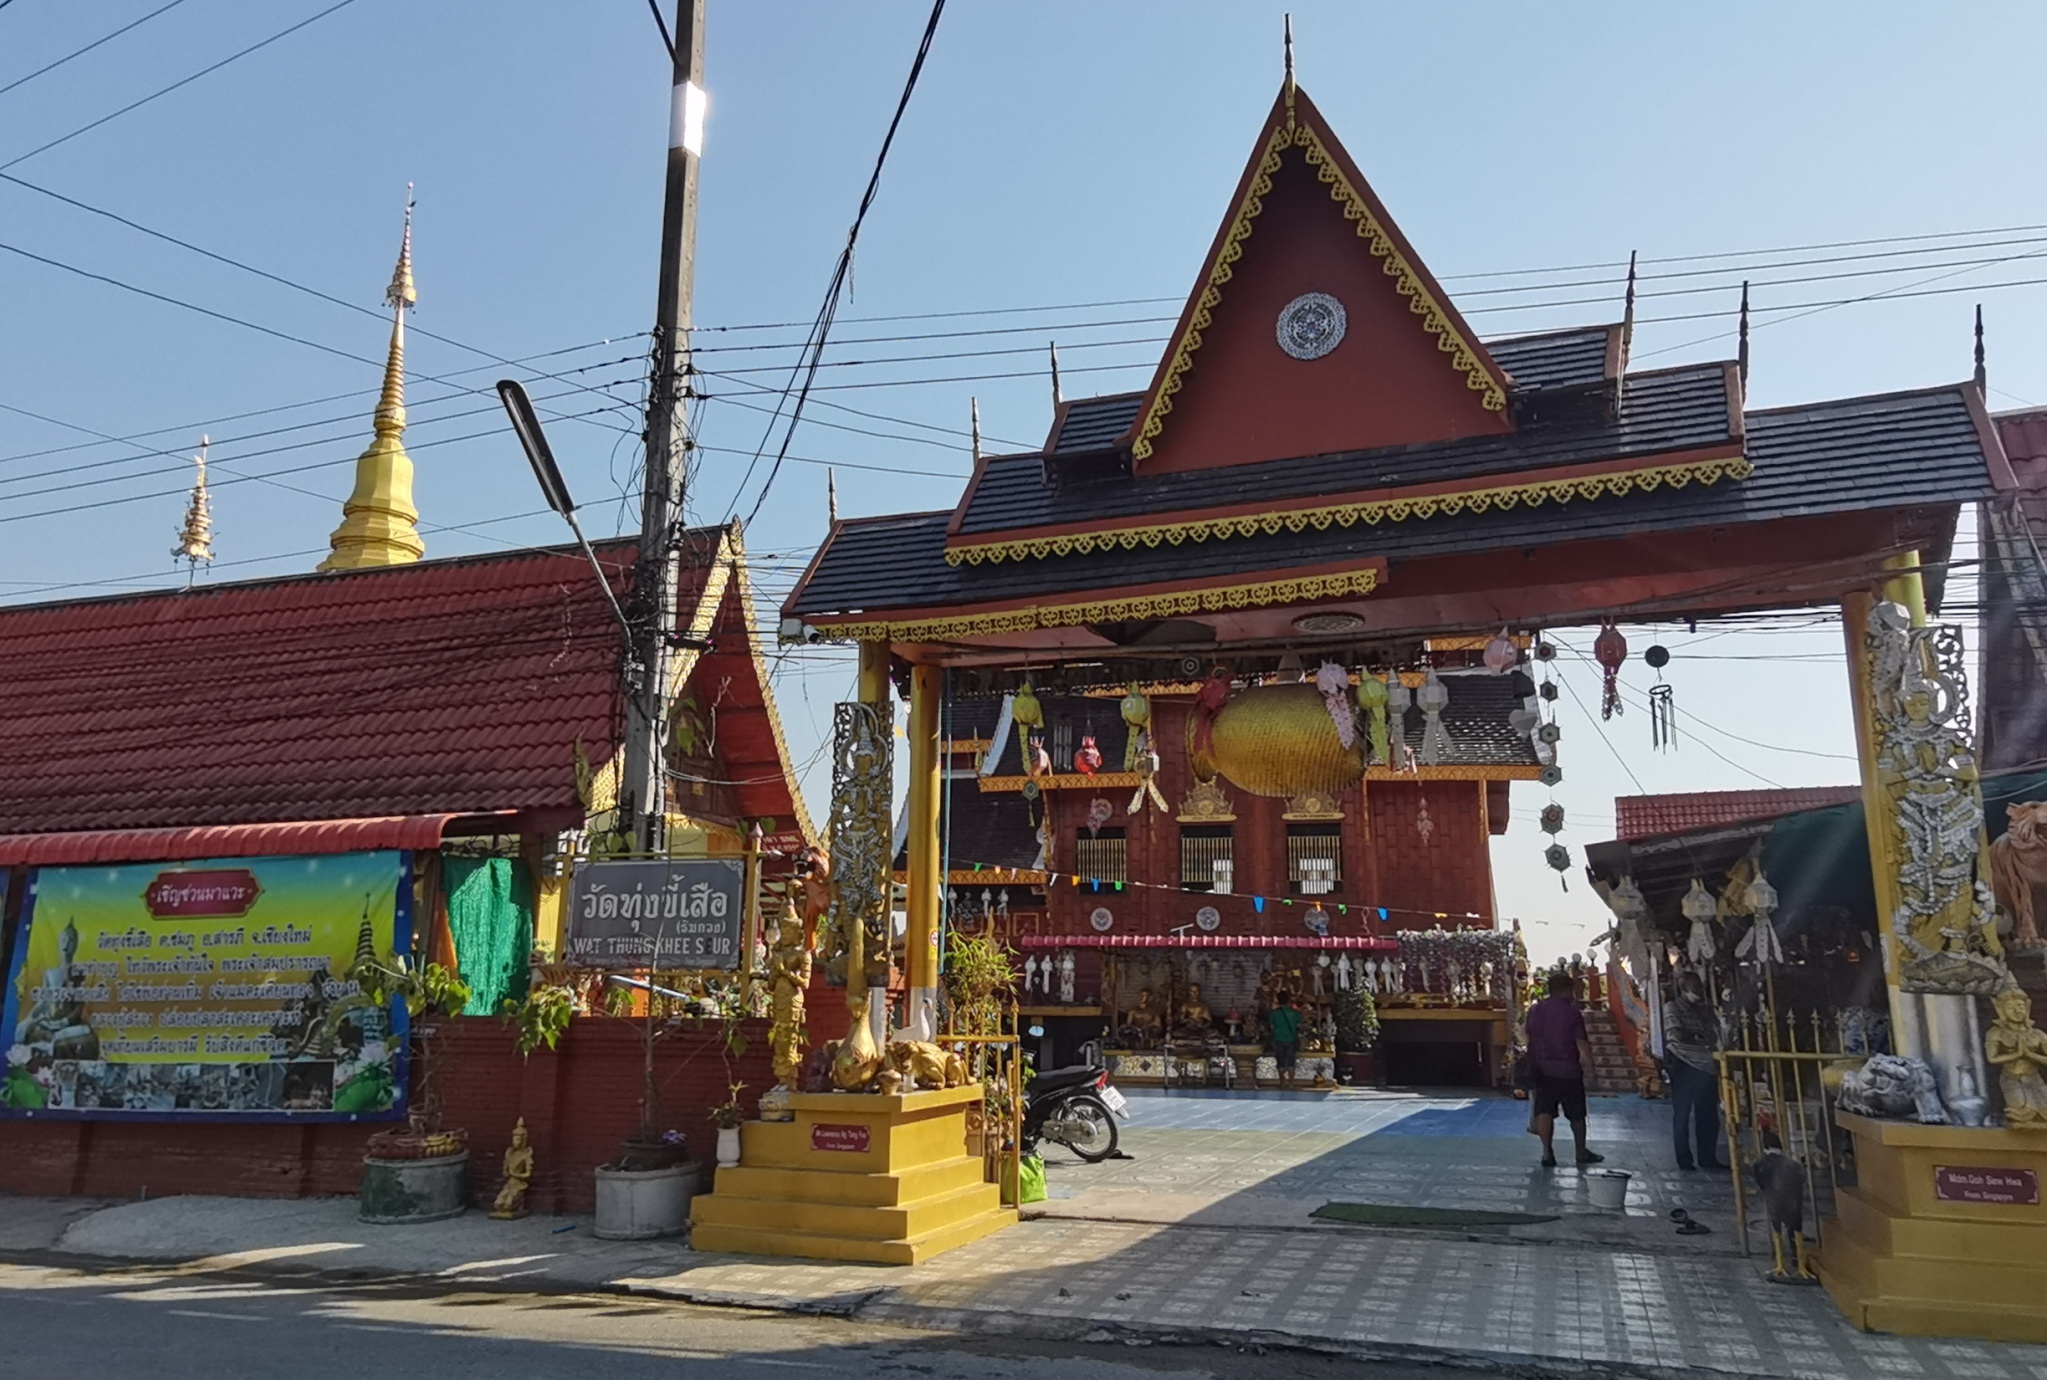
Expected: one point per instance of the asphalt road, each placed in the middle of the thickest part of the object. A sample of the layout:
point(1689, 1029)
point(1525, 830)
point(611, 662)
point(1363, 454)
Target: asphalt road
point(166, 1324)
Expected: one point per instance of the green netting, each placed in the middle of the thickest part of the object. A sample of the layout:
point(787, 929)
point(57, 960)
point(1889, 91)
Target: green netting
point(490, 912)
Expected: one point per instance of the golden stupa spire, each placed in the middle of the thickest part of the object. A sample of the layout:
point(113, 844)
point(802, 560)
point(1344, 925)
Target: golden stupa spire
point(195, 538)
point(379, 525)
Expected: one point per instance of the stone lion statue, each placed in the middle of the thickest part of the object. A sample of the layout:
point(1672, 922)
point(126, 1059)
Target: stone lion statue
point(1895, 1088)
point(2018, 863)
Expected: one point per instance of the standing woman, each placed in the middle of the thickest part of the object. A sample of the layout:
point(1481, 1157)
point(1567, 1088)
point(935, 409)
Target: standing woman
point(1688, 1041)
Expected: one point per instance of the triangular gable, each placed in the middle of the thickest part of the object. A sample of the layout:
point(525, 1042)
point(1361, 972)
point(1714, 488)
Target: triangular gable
point(1252, 376)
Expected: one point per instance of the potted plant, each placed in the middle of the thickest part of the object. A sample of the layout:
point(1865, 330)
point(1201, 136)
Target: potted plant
point(727, 1116)
point(1357, 1030)
point(420, 1173)
point(646, 1191)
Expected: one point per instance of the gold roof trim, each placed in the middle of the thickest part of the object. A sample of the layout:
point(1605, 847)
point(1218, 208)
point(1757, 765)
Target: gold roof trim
point(1417, 508)
point(1175, 604)
point(1435, 320)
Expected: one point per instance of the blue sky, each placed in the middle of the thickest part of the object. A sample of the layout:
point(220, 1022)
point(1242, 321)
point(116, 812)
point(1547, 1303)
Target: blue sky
point(1056, 154)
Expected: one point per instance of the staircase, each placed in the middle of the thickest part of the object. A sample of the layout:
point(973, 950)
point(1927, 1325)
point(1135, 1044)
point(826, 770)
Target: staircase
point(1613, 1069)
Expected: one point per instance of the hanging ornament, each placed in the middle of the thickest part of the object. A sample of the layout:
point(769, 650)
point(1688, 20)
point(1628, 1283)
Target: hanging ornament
point(1334, 683)
point(1147, 783)
point(1087, 759)
point(1372, 697)
point(1662, 705)
point(1137, 717)
point(1423, 825)
point(1551, 776)
point(1552, 818)
point(1559, 857)
point(1699, 908)
point(1545, 651)
point(1434, 698)
point(1501, 655)
point(1610, 649)
point(1027, 714)
point(1317, 921)
point(1761, 942)
point(1099, 812)
point(1548, 691)
point(1040, 760)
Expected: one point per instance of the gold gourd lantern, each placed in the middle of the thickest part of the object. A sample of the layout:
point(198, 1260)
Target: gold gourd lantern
point(1277, 740)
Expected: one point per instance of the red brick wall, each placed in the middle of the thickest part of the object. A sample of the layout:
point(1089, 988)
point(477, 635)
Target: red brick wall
point(579, 1102)
point(1450, 870)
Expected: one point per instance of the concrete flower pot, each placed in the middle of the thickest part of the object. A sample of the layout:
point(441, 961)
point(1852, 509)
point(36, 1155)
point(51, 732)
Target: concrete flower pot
point(402, 1191)
point(640, 1205)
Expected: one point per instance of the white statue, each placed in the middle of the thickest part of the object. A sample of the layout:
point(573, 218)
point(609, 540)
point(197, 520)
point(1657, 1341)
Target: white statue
point(1321, 962)
point(1031, 973)
point(1066, 976)
point(1343, 972)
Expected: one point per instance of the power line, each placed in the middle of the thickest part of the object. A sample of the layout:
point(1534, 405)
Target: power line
point(181, 82)
point(81, 52)
point(822, 329)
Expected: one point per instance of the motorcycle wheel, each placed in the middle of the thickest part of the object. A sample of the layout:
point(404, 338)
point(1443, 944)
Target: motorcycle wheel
point(1099, 1140)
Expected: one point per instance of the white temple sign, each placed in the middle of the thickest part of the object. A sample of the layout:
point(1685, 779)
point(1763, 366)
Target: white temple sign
point(679, 913)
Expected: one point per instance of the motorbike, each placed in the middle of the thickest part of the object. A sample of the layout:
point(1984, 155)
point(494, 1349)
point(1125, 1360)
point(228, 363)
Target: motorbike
point(1076, 1108)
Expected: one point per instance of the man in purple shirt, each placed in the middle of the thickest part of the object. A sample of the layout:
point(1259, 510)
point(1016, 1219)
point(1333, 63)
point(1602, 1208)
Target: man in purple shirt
point(1560, 1052)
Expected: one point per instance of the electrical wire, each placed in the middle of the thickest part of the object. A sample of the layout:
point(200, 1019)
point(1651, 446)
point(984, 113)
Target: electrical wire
point(81, 52)
point(181, 82)
point(821, 330)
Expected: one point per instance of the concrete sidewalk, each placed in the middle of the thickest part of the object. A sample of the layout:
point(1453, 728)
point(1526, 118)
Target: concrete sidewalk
point(1346, 1289)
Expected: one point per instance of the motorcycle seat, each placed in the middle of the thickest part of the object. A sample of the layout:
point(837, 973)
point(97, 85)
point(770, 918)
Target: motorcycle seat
point(1052, 1080)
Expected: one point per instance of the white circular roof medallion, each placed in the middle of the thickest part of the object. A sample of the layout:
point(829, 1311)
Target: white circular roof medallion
point(1208, 917)
point(1102, 918)
point(1311, 325)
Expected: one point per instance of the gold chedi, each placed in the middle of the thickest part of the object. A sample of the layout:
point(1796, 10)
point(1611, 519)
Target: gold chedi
point(379, 524)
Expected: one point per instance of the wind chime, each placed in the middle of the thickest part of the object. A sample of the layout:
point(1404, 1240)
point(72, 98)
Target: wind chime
point(1662, 704)
point(1610, 649)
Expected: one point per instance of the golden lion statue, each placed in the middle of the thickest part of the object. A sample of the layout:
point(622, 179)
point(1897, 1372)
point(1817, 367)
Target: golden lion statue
point(926, 1065)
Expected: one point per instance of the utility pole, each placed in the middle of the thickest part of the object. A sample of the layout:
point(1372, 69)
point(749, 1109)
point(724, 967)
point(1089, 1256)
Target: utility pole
point(644, 794)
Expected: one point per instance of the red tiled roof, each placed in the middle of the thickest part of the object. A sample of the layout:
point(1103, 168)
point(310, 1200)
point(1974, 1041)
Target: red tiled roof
point(447, 687)
point(222, 841)
point(1650, 816)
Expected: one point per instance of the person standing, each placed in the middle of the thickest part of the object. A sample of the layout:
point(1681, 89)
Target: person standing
point(1285, 1024)
point(1560, 1051)
point(1688, 1041)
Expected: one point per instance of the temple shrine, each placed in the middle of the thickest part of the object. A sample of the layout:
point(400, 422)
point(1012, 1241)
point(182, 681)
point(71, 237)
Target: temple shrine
point(1235, 673)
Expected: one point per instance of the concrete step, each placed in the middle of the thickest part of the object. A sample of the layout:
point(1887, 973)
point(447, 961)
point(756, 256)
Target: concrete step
point(813, 1245)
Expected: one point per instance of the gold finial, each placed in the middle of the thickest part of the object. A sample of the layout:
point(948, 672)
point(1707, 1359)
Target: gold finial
point(975, 414)
point(195, 538)
point(1289, 22)
point(379, 524)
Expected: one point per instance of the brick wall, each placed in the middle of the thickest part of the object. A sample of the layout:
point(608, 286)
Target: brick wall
point(579, 1102)
point(1451, 869)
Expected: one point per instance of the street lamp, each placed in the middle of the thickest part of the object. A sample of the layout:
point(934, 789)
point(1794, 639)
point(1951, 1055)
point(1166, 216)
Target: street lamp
point(526, 425)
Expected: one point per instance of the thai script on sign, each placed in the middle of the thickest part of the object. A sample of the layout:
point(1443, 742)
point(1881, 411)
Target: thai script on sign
point(218, 892)
point(679, 913)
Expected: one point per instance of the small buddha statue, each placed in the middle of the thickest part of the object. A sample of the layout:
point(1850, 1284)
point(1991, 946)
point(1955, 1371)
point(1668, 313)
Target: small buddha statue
point(511, 1199)
point(1194, 1013)
point(1144, 1017)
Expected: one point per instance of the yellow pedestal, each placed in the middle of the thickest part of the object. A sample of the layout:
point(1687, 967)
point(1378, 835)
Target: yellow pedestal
point(854, 1177)
point(1922, 1247)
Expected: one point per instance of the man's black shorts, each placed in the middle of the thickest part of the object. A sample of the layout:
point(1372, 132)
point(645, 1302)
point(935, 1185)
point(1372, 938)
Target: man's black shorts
point(1553, 1095)
point(1284, 1052)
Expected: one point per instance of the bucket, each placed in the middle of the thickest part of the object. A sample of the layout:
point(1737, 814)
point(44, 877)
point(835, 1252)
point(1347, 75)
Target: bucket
point(1609, 1188)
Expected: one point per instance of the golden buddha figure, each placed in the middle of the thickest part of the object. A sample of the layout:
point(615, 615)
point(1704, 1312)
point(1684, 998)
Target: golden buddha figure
point(2019, 1049)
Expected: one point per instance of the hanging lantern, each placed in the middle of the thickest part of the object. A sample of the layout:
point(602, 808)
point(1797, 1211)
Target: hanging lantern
point(1274, 740)
point(1551, 776)
point(1699, 908)
point(1372, 698)
point(1552, 818)
point(1025, 709)
point(1087, 758)
point(1501, 655)
point(1760, 896)
point(1137, 718)
point(1548, 691)
point(1559, 857)
point(1334, 683)
point(1026, 713)
point(1434, 698)
point(1610, 649)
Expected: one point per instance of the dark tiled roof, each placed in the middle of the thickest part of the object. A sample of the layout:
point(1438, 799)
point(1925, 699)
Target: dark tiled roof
point(1671, 410)
point(1096, 423)
point(994, 829)
point(1899, 450)
point(1477, 723)
point(1555, 359)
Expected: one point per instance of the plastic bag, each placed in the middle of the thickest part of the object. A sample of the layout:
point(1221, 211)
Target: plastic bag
point(1030, 1180)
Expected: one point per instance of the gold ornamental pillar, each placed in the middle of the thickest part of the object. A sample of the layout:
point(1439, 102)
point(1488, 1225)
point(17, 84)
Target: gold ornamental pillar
point(925, 876)
point(873, 689)
point(1906, 589)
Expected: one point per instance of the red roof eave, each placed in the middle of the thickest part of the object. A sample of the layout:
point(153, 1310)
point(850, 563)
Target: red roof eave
point(1203, 941)
point(223, 841)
